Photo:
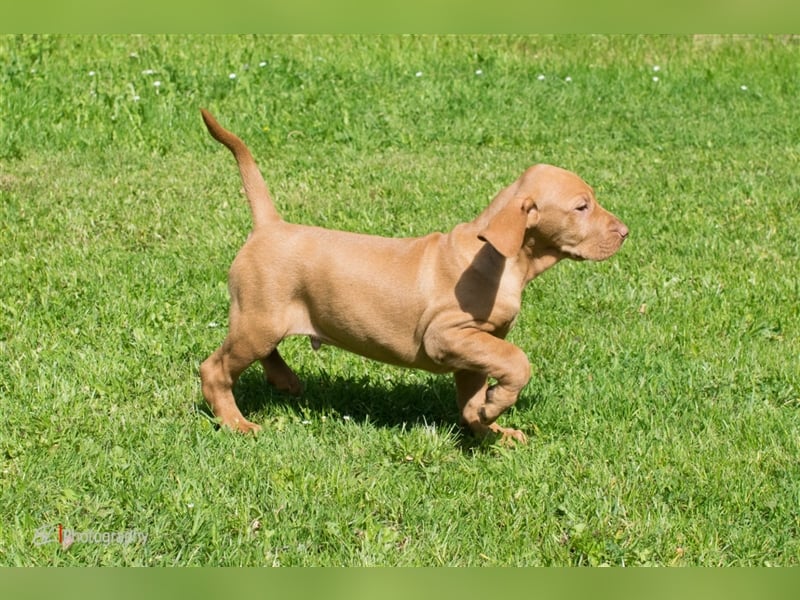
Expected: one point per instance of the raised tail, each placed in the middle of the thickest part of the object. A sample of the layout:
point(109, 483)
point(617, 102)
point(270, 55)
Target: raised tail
point(261, 204)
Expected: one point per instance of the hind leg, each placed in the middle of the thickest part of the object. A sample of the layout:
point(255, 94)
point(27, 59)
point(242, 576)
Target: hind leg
point(280, 375)
point(219, 372)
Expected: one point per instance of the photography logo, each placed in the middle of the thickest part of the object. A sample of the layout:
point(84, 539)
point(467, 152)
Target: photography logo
point(65, 537)
point(46, 534)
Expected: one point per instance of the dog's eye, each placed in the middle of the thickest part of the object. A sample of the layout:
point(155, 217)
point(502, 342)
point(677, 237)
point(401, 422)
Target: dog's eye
point(582, 207)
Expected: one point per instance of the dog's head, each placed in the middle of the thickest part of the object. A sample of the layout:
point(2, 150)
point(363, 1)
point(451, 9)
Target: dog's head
point(554, 210)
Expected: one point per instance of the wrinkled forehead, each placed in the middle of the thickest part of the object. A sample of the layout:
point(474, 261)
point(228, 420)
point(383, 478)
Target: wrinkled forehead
point(558, 181)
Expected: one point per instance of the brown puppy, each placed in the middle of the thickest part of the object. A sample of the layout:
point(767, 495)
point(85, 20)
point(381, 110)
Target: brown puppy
point(443, 302)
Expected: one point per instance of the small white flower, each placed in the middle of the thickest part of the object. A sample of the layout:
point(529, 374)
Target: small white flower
point(263, 63)
point(157, 84)
point(91, 73)
point(568, 79)
point(148, 72)
point(136, 98)
point(346, 417)
point(306, 422)
point(419, 73)
point(540, 77)
point(190, 505)
point(655, 79)
point(479, 72)
point(232, 76)
point(656, 68)
point(133, 55)
point(743, 88)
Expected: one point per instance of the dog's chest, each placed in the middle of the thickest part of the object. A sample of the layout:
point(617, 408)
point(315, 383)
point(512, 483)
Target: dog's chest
point(504, 315)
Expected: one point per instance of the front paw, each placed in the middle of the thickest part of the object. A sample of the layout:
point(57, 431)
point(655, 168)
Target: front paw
point(508, 435)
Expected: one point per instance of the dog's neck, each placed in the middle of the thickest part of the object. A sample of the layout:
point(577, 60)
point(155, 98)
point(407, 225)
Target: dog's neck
point(538, 259)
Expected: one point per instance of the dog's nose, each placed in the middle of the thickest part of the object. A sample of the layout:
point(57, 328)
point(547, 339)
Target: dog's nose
point(622, 230)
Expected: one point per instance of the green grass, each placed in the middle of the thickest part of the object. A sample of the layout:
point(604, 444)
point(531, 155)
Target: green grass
point(664, 409)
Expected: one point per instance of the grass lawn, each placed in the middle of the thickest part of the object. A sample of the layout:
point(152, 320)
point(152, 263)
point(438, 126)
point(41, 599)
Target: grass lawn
point(664, 409)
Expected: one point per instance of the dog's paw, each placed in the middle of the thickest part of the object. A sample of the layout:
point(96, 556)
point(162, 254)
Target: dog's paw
point(248, 427)
point(508, 436)
point(288, 385)
point(241, 426)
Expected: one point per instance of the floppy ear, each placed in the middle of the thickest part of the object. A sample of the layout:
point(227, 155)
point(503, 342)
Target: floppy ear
point(506, 230)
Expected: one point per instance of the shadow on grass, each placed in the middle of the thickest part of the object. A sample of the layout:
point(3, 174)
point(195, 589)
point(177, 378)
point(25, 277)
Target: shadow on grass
point(391, 404)
point(431, 401)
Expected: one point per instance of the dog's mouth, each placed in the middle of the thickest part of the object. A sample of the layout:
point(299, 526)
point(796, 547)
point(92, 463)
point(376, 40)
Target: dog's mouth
point(573, 255)
point(597, 253)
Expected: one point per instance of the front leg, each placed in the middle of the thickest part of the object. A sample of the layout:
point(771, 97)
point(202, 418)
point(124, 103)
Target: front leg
point(472, 390)
point(474, 356)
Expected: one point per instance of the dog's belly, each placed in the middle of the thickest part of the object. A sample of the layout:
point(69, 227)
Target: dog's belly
point(375, 348)
point(420, 360)
point(394, 342)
